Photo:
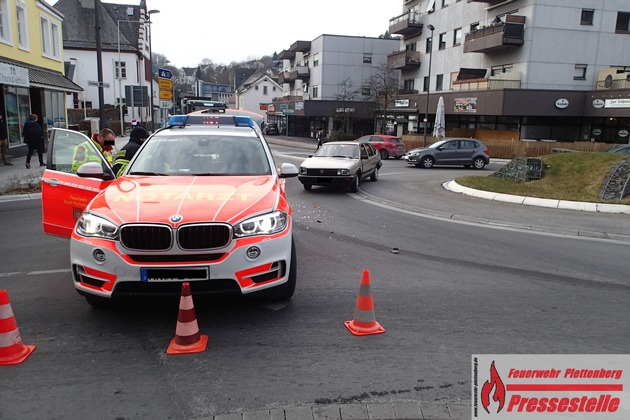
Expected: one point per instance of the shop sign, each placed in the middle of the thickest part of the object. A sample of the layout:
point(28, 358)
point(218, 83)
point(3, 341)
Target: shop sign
point(623, 133)
point(13, 75)
point(597, 132)
point(562, 103)
point(617, 103)
point(271, 108)
point(401, 103)
point(299, 106)
point(344, 110)
point(598, 103)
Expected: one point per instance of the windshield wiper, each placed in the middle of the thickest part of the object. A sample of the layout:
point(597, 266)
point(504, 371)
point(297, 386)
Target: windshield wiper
point(146, 173)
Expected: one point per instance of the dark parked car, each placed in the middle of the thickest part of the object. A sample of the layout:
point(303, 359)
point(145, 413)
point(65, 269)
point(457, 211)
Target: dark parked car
point(271, 129)
point(620, 149)
point(386, 145)
point(466, 152)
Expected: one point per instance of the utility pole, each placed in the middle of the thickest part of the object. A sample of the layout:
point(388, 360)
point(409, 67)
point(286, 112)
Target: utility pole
point(99, 64)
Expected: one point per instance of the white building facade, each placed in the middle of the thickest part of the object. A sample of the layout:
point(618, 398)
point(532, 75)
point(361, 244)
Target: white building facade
point(542, 70)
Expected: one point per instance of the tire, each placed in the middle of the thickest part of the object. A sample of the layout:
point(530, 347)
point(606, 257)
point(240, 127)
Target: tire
point(427, 162)
point(354, 187)
point(308, 187)
point(479, 163)
point(384, 154)
point(286, 291)
point(374, 176)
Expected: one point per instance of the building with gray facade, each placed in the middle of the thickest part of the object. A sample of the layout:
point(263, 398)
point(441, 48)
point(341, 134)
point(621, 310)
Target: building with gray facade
point(530, 69)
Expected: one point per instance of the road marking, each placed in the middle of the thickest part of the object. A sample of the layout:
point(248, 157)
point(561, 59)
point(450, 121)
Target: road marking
point(60, 270)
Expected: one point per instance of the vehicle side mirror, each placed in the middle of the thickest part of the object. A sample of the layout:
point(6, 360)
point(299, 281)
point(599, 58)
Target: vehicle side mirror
point(288, 170)
point(94, 170)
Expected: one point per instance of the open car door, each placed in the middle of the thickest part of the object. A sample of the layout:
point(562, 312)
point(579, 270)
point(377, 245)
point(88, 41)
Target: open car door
point(66, 194)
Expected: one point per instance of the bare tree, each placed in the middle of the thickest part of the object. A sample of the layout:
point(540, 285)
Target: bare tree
point(384, 85)
point(347, 94)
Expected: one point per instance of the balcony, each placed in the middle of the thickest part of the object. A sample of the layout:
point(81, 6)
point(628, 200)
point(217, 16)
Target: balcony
point(286, 55)
point(491, 2)
point(301, 72)
point(403, 59)
point(409, 23)
point(300, 46)
point(287, 77)
point(407, 92)
point(498, 36)
point(485, 84)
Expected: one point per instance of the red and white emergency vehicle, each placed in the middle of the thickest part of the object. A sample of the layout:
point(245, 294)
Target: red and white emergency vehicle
point(202, 203)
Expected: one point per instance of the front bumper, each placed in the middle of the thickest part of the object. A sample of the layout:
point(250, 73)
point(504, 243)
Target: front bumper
point(119, 272)
point(326, 180)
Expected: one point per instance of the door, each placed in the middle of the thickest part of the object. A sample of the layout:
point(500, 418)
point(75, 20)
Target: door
point(65, 195)
point(466, 151)
point(446, 154)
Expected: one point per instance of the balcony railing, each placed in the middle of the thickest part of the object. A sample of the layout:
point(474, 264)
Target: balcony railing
point(614, 84)
point(302, 73)
point(403, 59)
point(287, 77)
point(497, 36)
point(407, 92)
point(486, 84)
point(408, 23)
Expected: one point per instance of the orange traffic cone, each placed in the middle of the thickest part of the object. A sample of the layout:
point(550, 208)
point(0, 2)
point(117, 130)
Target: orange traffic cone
point(12, 351)
point(364, 322)
point(187, 338)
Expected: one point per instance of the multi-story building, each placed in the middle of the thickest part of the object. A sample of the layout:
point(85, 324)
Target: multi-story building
point(125, 57)
point(324, 84)
point(525, 69)
point(32, 77)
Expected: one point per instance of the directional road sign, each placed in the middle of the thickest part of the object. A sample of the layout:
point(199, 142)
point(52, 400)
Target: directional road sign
point(166, 94)
point(165, 84)
point(165, 74)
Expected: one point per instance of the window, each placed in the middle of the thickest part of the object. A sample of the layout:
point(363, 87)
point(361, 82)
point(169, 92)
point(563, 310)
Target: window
point(579, 72)
point(457, 36)
point(265, 90)
point(5, 23)
point(54, 37)
point(273, 89)
point(425, 85)
point(410, 47)
point(442, 44)
point(587, 17)
point(623, 23)
point(367, 58)
point(506, 68)
point(315, 91)
point(474, 26)
point(50, 38)
point(365, 90)
point(255, 87)
point(444, 3)
point(45, 36)
point(439, 81)
point(409, 84)
point(121, 69)
point(21, 26)
point(316, 60)
point(429, 45)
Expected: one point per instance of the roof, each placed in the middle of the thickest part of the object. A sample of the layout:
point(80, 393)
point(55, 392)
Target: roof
point(78, 25)
point(41, 77)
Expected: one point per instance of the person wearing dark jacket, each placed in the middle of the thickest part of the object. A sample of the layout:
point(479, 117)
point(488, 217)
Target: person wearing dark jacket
point(4, 141)
point(137, 136)
point(34, 138)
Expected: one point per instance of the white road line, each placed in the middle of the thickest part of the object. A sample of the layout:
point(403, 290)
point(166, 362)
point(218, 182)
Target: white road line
point(60, 270)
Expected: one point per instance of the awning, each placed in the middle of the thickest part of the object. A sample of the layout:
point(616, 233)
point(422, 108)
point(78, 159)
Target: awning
point(468, 74)
point(49, 79)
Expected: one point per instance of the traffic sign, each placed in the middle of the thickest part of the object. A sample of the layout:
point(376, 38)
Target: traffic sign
point(165, 84)
point(166, 94)
point(165, 74)
point(166, 104)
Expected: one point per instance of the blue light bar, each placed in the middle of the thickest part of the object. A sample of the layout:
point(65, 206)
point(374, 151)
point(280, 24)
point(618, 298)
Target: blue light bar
point(177, 120)
point(243, 121)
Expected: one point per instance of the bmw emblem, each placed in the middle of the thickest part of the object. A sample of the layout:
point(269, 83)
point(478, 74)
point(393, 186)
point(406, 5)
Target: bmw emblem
point(321, 171)
point(175, 218)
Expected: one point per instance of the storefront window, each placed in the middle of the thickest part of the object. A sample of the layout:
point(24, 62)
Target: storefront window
point(17, 104)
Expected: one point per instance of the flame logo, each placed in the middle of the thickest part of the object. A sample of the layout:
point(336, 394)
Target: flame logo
point(499, 390)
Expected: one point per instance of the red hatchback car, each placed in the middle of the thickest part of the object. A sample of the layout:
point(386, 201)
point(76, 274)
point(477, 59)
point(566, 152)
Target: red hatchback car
point(386, 145)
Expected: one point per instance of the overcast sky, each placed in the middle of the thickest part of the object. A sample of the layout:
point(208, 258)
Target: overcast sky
point(187, 31)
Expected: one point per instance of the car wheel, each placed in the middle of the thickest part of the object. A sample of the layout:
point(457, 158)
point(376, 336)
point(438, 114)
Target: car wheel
point(384, 154)
point(354, 187)
point(479, 163)
point(308, 187)
point(285, 291)
point(374, 176)
point(427, 162)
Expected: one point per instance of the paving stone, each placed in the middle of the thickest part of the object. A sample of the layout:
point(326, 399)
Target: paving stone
point(408, 411)
point(434, 411)
point(354, 412)
point(326, 412)
point(381, 411)
point(299, 413)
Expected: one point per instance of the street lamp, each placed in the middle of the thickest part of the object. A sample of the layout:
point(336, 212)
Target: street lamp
point(150, 12)
point(426, 109)
point(119, 75)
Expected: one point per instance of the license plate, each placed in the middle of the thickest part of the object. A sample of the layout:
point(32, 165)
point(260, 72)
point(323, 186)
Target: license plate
point(173, 274)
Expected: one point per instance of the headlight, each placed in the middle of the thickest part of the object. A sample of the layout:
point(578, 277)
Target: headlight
point(343, 171)
point(302, 170)
point(266, 224)
point(95, 226)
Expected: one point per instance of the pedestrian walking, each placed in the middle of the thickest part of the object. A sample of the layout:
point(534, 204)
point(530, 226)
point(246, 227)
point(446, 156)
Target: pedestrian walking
point(137, 136)
point(4, 141)
point(34, 138)
point(321, 134)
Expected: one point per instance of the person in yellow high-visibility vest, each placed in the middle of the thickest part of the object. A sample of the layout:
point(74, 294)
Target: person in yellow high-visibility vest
point(87, 151)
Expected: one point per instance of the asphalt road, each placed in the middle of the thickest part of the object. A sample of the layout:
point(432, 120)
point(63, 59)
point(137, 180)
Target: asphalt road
point(455, 288)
